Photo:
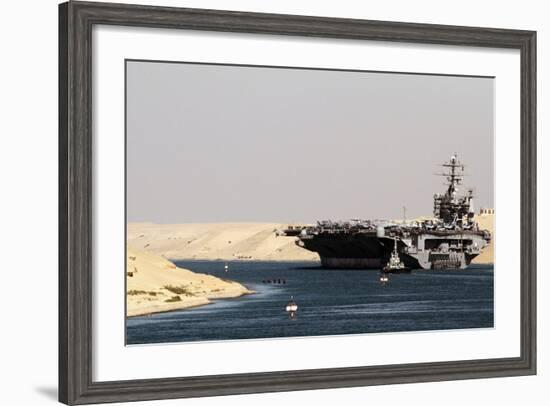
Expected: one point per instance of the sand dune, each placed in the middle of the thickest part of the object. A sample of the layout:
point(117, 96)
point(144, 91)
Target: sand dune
point(487, 256)
point(154, 285)
point(225, 241)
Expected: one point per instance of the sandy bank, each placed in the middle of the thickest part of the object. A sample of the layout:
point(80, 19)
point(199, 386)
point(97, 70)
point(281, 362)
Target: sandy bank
point(155, 284)
point(487, 256)
point(222, 241)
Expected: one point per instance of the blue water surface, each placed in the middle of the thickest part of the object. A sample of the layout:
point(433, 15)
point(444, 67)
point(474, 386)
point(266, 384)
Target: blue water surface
point(330, 302)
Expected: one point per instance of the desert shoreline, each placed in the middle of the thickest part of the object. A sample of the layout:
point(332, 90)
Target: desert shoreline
point(156, 285)
point(190, 306)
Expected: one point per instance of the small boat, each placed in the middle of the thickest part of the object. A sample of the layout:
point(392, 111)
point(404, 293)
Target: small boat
point(291, 307)
point(226, 267)
point(395, 265)
point(384, 278)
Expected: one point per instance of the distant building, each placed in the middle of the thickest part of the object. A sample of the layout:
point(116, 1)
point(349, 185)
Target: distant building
point(486, 211)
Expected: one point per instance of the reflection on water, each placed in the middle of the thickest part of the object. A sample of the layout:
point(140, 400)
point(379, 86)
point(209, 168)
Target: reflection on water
point(329, 302)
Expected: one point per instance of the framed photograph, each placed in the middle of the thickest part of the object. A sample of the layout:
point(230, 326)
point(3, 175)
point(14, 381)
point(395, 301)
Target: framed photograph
point(258, 202)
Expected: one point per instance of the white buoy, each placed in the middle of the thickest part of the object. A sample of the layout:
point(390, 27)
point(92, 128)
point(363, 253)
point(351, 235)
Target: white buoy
point(291, 307)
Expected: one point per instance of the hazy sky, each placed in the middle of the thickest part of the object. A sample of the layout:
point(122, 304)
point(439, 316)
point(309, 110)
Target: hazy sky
point(212, 143)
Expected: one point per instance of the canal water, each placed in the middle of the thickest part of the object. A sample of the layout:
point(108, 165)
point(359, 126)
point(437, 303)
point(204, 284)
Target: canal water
point(329, 302)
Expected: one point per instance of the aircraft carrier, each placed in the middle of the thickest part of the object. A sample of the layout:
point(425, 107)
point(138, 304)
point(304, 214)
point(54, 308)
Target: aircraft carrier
point(450, 240)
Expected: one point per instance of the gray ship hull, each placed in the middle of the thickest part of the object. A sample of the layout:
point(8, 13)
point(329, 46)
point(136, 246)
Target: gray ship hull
point(354, 251)
point(351, 263)
point(439, 250)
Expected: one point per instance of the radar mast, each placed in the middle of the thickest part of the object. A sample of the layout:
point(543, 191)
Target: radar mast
point(454, 210)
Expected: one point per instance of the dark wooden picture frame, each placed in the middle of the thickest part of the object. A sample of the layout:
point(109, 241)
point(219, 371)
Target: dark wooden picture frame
point(76, 20)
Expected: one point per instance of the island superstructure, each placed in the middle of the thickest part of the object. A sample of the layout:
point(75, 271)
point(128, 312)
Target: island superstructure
point(450, 240)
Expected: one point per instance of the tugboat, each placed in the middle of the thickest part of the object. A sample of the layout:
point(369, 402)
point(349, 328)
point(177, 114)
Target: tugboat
point(291, 307)
point(395, 265)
